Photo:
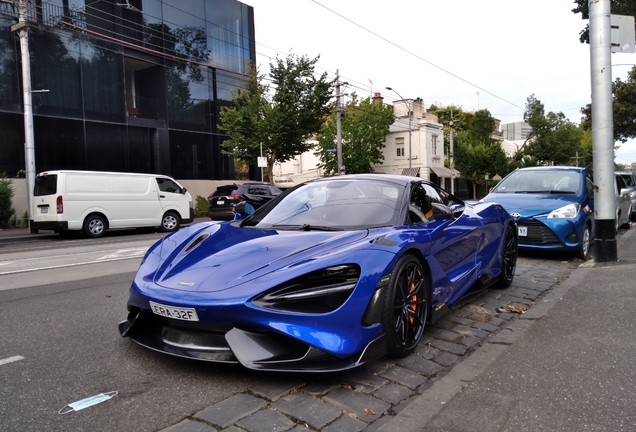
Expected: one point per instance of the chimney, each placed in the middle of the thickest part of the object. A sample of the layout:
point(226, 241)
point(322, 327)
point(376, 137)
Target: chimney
point(377, 99)
point(417, 108)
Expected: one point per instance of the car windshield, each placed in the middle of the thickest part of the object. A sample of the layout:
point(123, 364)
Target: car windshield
point(336, 204)
point(540, 181)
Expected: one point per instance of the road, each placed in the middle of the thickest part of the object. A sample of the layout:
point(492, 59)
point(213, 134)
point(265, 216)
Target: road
point(60, 303)
point(59, 344)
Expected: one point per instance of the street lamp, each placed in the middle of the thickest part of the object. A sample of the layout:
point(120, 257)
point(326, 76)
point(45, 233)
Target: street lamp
point(408, 106)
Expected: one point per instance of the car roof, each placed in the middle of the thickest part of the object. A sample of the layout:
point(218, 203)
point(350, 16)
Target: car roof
point(552, 167)
point(393, 178)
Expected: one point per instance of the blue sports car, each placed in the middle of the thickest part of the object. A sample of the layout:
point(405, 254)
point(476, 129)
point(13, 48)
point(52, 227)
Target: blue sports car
point(329, 275)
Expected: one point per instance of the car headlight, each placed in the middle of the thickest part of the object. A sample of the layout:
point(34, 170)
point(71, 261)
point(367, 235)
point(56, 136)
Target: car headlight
point(318, 292)
point(567, 212)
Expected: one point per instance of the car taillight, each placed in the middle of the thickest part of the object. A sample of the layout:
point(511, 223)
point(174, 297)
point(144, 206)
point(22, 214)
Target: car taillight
point(60, 205)
point(236, 197)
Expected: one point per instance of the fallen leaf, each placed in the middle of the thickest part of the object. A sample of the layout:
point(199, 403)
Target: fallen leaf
point(367, 411)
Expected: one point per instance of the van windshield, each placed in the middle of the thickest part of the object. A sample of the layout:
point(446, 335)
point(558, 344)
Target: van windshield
point(45, 185)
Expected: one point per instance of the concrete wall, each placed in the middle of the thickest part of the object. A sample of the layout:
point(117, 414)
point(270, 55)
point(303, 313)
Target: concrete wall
point(195, 187)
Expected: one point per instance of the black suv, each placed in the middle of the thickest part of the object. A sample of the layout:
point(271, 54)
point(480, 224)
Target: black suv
point(225, 197)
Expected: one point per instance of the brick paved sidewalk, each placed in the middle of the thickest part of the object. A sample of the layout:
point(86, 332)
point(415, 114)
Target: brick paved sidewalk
point(369, 397)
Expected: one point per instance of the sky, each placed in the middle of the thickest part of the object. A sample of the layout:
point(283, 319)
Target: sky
point(488, 54)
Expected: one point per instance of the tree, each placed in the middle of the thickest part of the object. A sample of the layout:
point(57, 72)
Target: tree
point(282, 122)
point(474, 160)
point(618, 7)
point(623, 107)
point(553, 138)
point(483, 126)
point(363, 134)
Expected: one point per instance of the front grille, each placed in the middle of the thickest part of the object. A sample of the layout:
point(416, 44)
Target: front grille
point(538, 234)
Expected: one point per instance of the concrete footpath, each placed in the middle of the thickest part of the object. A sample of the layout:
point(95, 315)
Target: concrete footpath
point(568, 364)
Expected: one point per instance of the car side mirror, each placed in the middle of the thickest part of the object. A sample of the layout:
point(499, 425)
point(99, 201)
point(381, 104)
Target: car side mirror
point(242, 209)
point(441, 212)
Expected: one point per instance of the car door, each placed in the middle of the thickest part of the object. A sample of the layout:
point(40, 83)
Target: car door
point(623, 201)
point(172, 196)
point(455, 243)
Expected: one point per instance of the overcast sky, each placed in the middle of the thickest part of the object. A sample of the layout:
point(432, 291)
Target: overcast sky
point(488, 54)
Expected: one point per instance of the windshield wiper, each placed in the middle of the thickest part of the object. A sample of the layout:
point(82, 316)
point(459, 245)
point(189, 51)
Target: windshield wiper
point(307, 227)
point(547, 192)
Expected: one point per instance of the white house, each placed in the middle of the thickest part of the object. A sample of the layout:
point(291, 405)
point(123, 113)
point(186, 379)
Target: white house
point(419, 135)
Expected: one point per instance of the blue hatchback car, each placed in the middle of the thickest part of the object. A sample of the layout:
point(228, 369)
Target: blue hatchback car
point(552, 205)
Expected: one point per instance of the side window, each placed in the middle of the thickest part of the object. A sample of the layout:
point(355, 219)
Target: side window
point(589, 187)
point(419, 206)
point(620, 184)
point(168, 185)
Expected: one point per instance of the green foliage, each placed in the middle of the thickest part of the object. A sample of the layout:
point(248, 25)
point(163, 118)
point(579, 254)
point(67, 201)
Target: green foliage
point(298, 105)
point(623, 107)
point(363, 135)
point(6, 194)
point(201, 206)
point(474, 160)
point(554, 138)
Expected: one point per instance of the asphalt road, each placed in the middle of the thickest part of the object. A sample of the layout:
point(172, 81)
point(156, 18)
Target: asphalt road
point(59, 344)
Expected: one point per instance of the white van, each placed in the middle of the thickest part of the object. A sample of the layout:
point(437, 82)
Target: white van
point(94, 202)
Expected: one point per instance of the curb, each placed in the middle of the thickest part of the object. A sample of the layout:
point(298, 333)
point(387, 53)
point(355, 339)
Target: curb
point(419, 412)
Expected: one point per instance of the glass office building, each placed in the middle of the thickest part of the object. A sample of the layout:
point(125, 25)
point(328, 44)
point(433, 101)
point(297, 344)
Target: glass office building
point(129, 85)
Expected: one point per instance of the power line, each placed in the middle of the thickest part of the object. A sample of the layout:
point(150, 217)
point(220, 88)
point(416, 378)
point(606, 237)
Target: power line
point(415, 55)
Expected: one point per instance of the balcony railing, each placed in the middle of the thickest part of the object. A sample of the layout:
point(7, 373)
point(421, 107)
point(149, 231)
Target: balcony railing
point(144, 107)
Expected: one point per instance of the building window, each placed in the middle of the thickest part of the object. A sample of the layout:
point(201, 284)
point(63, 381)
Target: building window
point(399, 146)
point(434, 145)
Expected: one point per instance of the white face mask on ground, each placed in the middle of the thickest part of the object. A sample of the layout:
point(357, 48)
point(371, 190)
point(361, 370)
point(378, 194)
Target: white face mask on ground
point(88, 402)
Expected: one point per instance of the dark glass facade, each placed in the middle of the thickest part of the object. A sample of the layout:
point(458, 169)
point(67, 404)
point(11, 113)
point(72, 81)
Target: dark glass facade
point(134, 88)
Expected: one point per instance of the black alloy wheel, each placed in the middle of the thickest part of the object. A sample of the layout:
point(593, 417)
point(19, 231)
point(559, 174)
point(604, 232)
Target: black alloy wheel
point(509, 253)
point(405, 307)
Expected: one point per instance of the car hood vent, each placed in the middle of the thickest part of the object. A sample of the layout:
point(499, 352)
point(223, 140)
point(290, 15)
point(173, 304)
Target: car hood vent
point(194, 243)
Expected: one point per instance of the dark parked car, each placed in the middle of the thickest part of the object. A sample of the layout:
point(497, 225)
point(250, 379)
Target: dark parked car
point(224, 198)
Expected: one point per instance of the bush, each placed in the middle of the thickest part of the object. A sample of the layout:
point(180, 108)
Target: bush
point(6, 194)
point(201, 207)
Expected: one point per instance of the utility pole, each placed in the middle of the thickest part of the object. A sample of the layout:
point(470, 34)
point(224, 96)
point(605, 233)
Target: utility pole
point(576, 158)
point(338, 126)
point(602, 132)
point(29, 147)
point(452, 158)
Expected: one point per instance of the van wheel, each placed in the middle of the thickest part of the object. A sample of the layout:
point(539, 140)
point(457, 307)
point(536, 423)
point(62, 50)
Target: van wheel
point(94, 226)
point(170, 222)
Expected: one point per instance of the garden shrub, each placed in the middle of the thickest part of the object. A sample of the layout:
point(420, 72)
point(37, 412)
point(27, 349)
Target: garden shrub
point(6, 194)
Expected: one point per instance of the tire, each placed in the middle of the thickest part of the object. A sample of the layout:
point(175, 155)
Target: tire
point(94, 226)
point(509, 253)
point(170, 222)
point(584, 248)
point(406, 305)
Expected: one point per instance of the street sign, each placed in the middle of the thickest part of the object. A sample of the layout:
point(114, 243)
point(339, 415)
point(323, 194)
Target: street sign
point(330, 150)
point(262, 162)
point(622, 34)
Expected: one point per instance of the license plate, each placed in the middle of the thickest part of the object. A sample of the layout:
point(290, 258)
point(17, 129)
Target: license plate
point(185, 314)
point(220, 202)
point(523, 231)
point(44, 209)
